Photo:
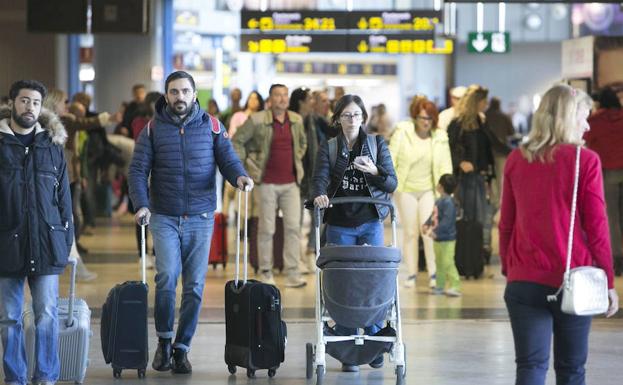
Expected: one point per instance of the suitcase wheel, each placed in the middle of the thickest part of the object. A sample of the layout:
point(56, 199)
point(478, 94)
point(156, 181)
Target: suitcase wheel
point(232, 369)
point(116, 372)
point(141, 373)
point(272, 372)
point(250, 373)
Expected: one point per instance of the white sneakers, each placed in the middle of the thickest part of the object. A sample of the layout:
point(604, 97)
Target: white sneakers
point(293, 281)
point(267, 277)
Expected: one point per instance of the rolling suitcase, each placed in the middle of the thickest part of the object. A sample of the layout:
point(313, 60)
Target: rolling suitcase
point(124, 324)
point(218, 246)
point(255, 334)
point(468, 256)
point(74, 333)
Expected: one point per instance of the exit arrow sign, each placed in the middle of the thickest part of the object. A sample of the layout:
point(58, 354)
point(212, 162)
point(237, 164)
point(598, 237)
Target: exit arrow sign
point(488, 42)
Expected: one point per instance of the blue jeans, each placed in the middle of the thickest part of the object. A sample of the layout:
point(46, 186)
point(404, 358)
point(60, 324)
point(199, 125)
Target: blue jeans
point(44, 291)
point(533, 321)
point(183, 245)
point(370, 233)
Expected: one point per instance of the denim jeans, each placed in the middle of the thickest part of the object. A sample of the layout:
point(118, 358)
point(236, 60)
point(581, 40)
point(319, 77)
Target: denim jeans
point(370, 233)
point(533, 321)
point(44, 290)
point(183, 245)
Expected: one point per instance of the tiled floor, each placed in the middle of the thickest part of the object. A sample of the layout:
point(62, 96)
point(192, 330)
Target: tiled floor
point(463, 340)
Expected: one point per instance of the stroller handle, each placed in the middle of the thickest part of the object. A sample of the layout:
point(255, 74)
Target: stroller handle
point(345, 200)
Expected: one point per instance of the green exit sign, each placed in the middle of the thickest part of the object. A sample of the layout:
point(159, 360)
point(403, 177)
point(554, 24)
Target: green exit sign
point(489, 42)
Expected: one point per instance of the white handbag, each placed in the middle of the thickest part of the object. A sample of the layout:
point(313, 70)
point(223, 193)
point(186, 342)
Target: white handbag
point(585, 288)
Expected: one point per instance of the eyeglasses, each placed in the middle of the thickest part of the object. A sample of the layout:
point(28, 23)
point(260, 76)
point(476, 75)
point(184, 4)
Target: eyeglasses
point(349, 116)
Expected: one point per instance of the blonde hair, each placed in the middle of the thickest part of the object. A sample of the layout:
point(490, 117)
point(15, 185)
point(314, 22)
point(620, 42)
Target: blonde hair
point(555, 122)
point(54, 97)
point(467, 111)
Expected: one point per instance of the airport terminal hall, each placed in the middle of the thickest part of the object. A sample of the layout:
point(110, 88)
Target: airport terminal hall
point(311, 192)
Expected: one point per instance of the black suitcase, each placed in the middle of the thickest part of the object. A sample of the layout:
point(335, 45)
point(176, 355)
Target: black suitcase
point(468, 255)
point(124, 324)
point(255, 334)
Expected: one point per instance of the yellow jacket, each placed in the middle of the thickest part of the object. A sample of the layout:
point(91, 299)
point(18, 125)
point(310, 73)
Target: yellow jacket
point(401, 149)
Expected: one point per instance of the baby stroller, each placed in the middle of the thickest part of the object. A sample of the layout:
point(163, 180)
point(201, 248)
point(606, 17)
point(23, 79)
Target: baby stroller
point(357, 286)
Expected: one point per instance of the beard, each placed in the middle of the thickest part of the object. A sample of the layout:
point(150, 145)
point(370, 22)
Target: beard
point(180, 108)
point(25, 120)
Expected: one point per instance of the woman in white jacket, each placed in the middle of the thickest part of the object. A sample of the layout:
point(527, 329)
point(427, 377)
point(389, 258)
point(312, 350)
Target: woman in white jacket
point(421, 155)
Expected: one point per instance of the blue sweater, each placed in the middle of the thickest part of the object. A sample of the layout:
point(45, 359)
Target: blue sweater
point(182, 157)
point(446, 219)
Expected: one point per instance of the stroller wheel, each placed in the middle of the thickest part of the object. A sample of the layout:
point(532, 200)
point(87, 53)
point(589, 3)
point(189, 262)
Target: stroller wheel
point(400, 375)
point(309, 355)
point(319, 374)
point(232, 369)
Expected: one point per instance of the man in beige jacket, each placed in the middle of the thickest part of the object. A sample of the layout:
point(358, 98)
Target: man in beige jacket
point(272, 144)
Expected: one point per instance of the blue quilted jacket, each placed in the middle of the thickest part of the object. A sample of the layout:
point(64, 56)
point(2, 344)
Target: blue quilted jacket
point(182, 158)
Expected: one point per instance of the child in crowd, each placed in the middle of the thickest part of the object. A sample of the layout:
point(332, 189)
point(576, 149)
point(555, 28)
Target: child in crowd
point(441, 226)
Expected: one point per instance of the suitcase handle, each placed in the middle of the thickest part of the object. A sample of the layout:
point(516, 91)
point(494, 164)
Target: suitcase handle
point(73, 261)
point(143, 251)
point(245, 239)
point(346, 200)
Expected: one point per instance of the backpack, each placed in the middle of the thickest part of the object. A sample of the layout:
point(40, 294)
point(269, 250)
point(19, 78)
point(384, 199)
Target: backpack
point(216, 128)
point(372, 146)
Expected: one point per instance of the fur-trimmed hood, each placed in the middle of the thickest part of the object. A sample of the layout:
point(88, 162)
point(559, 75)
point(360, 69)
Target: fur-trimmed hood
point(48, 121)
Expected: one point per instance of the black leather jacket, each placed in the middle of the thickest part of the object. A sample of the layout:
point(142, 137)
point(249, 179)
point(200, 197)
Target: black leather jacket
point(326, 180)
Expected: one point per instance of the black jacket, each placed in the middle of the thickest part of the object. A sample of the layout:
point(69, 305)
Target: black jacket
point(472, 146)
point(326, 181)
point(36, 226)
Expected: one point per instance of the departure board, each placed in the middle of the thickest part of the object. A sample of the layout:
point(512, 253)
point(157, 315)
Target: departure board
point(392, 32)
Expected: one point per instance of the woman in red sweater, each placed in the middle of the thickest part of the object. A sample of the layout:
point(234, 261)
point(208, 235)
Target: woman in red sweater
point(536, 210)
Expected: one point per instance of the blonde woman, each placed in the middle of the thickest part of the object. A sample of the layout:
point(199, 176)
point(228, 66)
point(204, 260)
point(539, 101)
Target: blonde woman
point(534, 229)
point(421, 155)
point(473, 162)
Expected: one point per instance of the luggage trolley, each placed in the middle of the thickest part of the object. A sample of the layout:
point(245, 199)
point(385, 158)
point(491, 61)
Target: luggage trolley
point(357, 286)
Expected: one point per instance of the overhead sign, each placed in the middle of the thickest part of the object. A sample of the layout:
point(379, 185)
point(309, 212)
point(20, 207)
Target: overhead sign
point(394, 32)
point(292, 43)
point(488, 42)
point(399, 44)
point(411, 21)
point(322, 68)
point(279, 21)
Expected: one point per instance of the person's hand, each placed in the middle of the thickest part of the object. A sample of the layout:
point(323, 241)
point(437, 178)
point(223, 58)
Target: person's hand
point(365, 164)
point(321, 201)
point(142, 216)
point(614, 303)
point(466, 166)
point(245, 183)
point(425, 229)
point(104, 118)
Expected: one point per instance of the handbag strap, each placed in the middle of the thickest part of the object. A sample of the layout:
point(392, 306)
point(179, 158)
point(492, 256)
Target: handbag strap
point(574, 200)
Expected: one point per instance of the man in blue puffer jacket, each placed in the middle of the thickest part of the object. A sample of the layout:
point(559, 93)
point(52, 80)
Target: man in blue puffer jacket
point(181, 148)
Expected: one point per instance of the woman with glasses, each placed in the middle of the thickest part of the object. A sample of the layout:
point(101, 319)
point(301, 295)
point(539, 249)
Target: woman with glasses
point(421, 155)
point(354, 173)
